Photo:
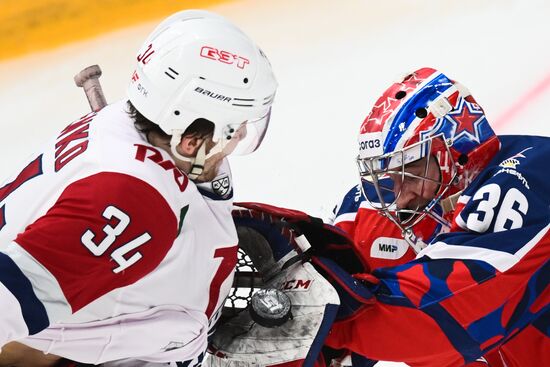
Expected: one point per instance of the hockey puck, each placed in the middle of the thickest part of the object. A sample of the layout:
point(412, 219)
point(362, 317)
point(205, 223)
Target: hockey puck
point(270, 307)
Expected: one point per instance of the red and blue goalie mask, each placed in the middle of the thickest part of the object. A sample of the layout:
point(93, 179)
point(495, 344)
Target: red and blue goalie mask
point(429, 122)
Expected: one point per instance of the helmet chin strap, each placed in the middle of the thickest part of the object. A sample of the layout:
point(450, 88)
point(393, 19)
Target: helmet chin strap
point(197, 162)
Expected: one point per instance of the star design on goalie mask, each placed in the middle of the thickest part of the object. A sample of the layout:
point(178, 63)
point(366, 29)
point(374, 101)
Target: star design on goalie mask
point(416, 78)
point(388, 105)
point(466, 119)
point(380, 112)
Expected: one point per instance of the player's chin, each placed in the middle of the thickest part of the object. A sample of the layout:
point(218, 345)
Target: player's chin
point(204, 178)
point(207, 175)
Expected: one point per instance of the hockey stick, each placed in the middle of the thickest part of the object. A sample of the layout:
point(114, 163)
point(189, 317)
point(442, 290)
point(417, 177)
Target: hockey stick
point(88, 79)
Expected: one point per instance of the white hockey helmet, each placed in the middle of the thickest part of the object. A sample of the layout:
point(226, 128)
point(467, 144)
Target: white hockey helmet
point(196, 64)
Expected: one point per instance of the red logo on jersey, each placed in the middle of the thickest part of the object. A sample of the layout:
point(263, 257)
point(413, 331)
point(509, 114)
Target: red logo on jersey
point(153, 154)
point(223, 56)
point(72, 142)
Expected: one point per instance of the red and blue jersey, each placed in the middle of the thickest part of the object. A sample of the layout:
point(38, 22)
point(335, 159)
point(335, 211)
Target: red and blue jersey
point(483, 284)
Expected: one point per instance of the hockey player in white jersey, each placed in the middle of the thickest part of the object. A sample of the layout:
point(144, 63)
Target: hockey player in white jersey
point(116, 239)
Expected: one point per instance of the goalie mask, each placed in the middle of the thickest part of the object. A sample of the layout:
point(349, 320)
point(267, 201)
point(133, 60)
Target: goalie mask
point(423, 142)
point(197, 65)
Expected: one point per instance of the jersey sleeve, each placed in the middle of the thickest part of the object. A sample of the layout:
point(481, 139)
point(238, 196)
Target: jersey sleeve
point(104, 232)
point(22, 312)
point(469, 291)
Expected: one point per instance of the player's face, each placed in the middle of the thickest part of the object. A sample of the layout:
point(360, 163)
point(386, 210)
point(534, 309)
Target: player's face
point(418, 186)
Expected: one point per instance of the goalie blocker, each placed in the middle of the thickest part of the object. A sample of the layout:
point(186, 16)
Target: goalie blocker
point(309, 262)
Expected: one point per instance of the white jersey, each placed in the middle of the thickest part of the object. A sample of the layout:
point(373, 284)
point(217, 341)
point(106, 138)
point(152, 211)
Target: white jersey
point(107, 243)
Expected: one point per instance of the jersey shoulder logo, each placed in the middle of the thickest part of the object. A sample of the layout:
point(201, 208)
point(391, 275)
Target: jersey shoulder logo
point(513, 161)
point(510, 165)
point(221, 185)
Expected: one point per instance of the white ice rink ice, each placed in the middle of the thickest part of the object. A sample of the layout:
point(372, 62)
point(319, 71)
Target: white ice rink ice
point(332, 60)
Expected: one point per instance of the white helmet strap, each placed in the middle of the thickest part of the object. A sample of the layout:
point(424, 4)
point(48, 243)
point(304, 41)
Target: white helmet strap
point(198, 162)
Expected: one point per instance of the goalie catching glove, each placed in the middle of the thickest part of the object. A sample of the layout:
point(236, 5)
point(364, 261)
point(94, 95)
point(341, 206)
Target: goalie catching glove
point(305, 260)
